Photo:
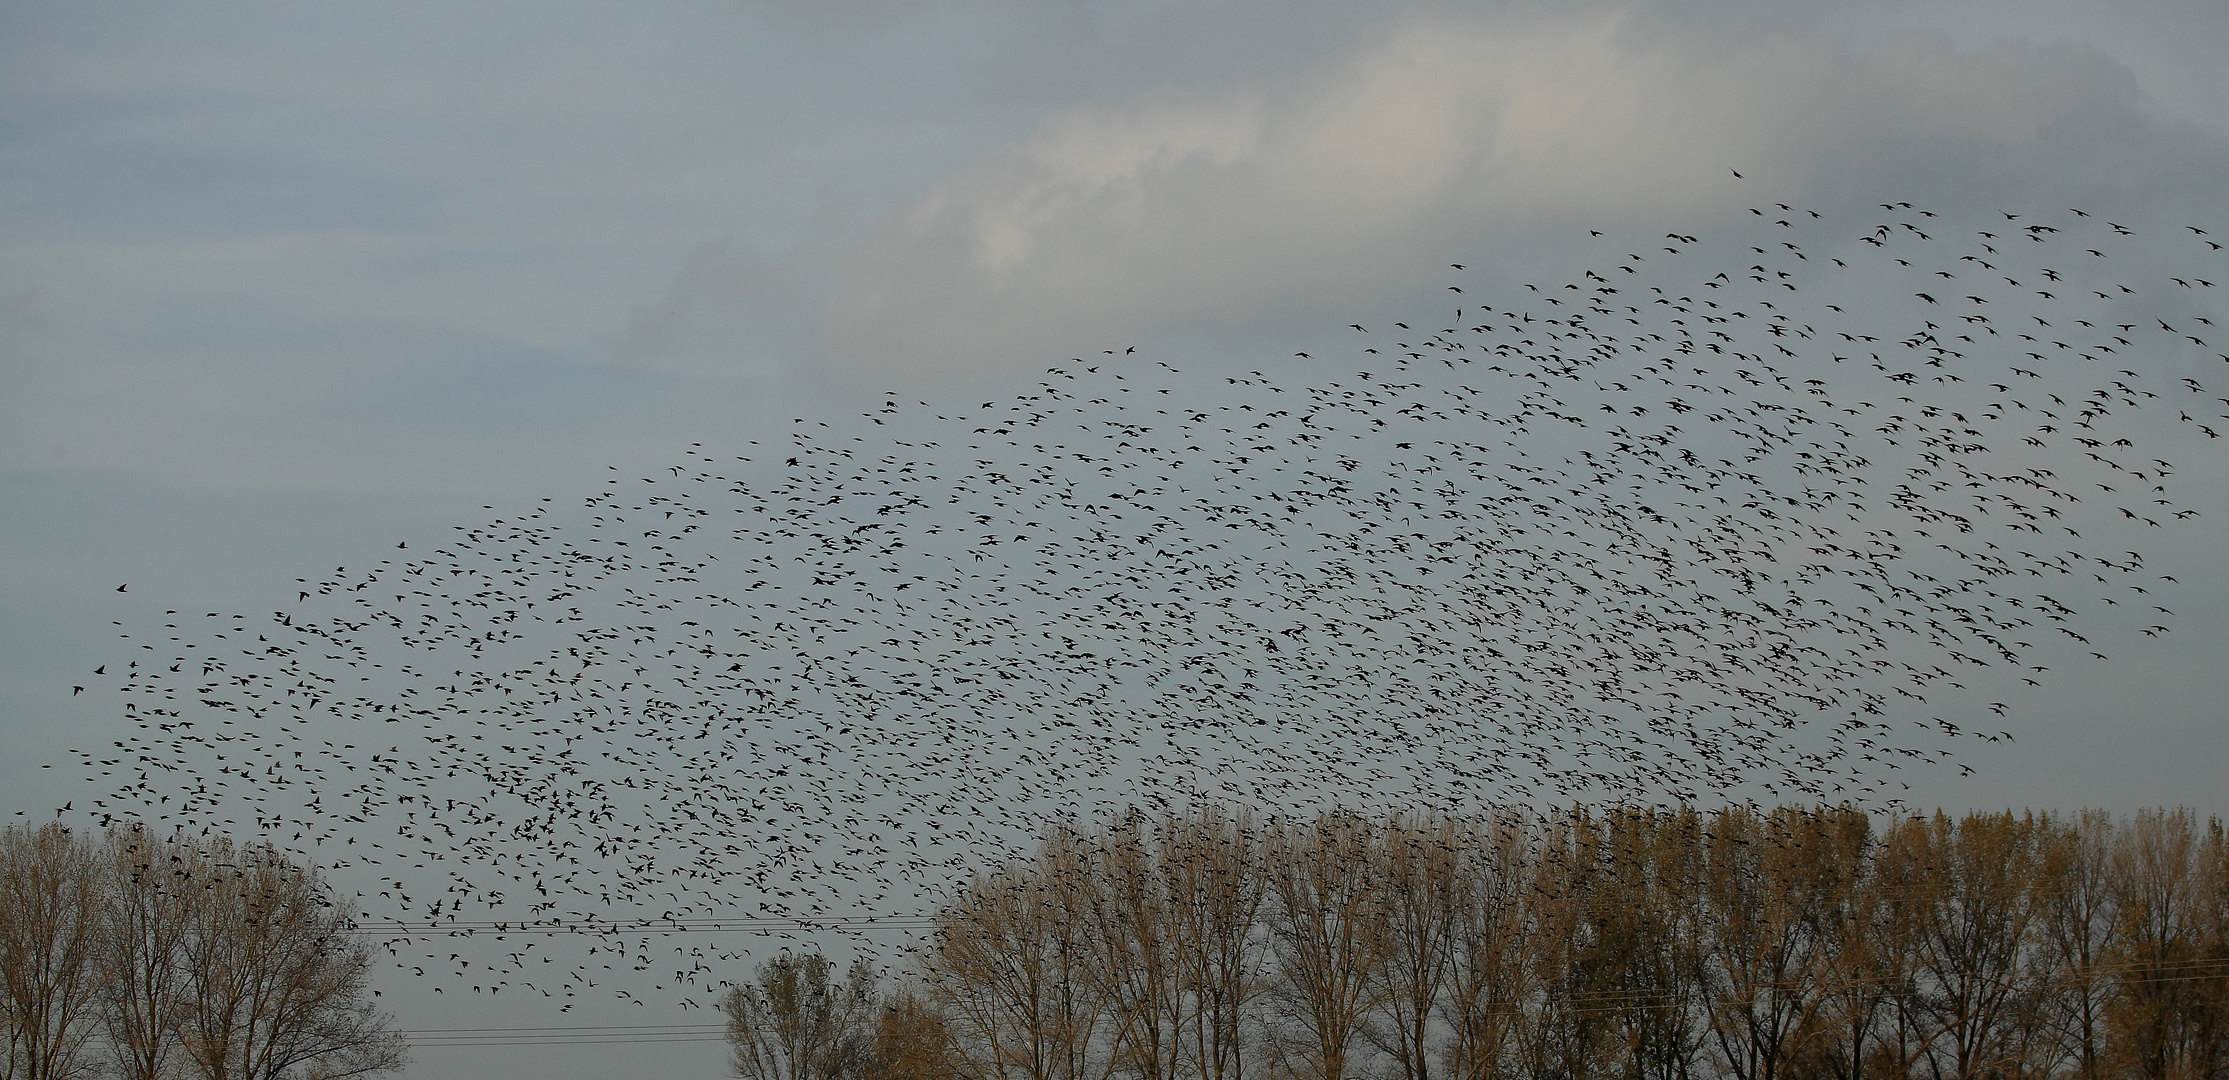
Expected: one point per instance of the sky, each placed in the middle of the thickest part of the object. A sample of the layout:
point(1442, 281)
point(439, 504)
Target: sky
point(280, 285)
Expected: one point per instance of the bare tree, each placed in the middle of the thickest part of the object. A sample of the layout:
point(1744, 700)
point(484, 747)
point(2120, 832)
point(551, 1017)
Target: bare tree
point(911, 1040)
point(158, 892)
point(1490, 975)
point(2164, 1027)
point(1566, 1033)
point(1009, 971)
point(1421, 867)
point(1786, 944)
point(1214, 865)
point(1133, 946)
point(49, 904)
point(278, 979)
point(798, 1022)
point(1650, 916)
point(1978, 899)
point(1765, 910)
point(2211, 973)
point(1327, 920)
point(2080, 920)
point(1865, 963)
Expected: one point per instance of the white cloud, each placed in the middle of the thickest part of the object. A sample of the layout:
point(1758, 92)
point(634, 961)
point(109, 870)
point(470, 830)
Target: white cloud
point(1443, 134)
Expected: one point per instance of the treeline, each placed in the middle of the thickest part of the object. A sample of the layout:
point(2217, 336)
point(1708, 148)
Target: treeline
point(1788, 944)
point(146, 957)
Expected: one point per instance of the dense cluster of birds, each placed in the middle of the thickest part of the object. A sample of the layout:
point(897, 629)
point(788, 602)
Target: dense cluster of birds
point(1777, 513)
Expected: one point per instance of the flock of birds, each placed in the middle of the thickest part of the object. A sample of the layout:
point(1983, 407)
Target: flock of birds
point(1775, 514)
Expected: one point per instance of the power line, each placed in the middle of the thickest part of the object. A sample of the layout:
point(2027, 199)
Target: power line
point(592, 1035)
point(654, 926)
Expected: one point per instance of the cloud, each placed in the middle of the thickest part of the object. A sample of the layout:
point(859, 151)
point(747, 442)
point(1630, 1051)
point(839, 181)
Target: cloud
point(731, 310)
point(1440, 134)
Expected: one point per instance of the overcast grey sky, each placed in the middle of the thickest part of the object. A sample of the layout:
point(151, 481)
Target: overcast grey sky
point(280, 284)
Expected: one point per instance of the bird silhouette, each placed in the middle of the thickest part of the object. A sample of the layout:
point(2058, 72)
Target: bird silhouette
point(1727, 519)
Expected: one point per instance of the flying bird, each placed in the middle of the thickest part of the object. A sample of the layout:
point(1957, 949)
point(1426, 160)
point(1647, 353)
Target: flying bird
point(1728, 525)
